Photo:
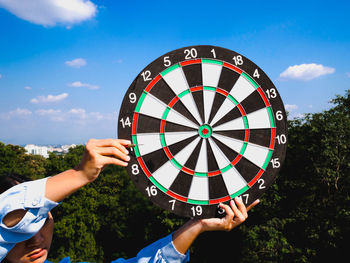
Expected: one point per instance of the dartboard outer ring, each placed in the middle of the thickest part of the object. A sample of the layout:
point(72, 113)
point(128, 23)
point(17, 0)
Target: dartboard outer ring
point(183, 93)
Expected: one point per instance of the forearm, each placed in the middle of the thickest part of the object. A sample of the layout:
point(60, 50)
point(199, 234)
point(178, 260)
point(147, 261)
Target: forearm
point(64, 184)
point(186, 235)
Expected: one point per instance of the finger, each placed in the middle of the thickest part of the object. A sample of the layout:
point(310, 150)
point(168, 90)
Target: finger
point(228, 210)
point(117, 143)
point(257, 201)
point(241, 206)
point(236, 210)
point(110, 142)
point(111, 160)
point(112, 151)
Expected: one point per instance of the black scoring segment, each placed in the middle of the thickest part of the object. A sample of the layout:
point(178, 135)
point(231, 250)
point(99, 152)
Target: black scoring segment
point(253, 102)
point(193, 74)
point(212, 164)
point(147, 124)
point(247, 169)
point(229, 153)
point(228, 79)
point(235, 134)
point(218, 100)
point(192, 160)
point(174, 127)
point(177, 147)
point(180, 108)
point(198, 99)
point(182, 184)
point(162, 91)
point(217, 187)
point(233, 114)
point(260, 136)
point(155, 160)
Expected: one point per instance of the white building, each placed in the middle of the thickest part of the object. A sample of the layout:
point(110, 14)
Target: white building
point(44, 150)
point(34, 149)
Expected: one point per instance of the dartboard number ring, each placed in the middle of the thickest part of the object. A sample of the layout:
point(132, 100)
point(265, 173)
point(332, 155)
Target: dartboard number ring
point(208, 125)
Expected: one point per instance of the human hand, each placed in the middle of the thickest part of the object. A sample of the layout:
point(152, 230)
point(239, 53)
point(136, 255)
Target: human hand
point(99, 153)
point(236, 214)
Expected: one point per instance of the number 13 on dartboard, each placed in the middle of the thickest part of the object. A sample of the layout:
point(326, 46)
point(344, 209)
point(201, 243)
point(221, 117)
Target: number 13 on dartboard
point(208, 125)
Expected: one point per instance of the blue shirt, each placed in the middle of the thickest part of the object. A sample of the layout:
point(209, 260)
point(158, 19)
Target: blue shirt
point(31, 196)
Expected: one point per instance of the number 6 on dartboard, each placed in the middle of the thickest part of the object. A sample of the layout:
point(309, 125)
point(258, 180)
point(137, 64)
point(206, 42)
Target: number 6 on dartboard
point(208, 125)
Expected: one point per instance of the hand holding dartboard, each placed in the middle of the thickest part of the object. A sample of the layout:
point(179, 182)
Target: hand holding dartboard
point(208, 125)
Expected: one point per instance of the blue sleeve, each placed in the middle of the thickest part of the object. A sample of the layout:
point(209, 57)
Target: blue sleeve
point(161, 251)
point(31, 197)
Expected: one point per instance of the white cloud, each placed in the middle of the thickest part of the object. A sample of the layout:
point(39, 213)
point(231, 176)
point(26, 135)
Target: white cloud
point(49, 98)
point(306, 71)
point(79, 84)
point(76, 63)
point(19, 112)
point(27, 87)
point(54, 115)
point(291, 107)
point(51, 12)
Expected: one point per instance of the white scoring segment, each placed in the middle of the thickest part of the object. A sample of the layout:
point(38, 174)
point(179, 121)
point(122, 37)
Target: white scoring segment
point(236, 124)
point(188, 101)
point(202, 162)
point(175, 117)
point(220, 157)
point(153, 107)
point(259, 119)
point(176, 80)
point(166, 174)
point(148, 142)
point(242, 89)
point(208, 98)
point(234, 144)
point(225, 108)
point(174, 137)
point(199, 188)
point(256, 154)
point(211, 74)
point(233, 180)
point(182, 156)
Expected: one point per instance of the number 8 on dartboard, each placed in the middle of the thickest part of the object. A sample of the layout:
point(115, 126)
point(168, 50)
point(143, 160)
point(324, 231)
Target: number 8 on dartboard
point(208, 125)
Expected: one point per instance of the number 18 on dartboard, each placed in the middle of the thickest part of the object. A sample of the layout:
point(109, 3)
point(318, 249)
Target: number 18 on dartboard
point(208, 125)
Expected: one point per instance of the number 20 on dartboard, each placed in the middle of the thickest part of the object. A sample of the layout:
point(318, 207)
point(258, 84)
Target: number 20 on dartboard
point(208, 125)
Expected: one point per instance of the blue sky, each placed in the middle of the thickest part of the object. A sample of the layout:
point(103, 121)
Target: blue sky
point(64, 69)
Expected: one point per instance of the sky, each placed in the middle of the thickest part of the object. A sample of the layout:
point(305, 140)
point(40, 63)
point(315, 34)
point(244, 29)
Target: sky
point(65, 65)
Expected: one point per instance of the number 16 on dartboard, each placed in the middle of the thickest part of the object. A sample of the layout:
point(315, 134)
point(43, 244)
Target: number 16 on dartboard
point(208, 125)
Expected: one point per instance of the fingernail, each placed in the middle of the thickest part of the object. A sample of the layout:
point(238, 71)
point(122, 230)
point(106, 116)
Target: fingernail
point(126, 151)
point(128, 158)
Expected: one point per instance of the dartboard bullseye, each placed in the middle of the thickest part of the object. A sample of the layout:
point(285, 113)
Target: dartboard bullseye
point(208, 125)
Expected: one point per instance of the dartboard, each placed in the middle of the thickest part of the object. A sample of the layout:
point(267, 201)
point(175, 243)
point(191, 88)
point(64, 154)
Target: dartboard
point(207, 125)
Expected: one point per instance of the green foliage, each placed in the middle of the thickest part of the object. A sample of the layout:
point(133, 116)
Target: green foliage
point(303, 217)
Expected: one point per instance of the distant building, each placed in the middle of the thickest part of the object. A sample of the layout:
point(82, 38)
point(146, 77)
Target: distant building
point(39, 150)
point(45, 150)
